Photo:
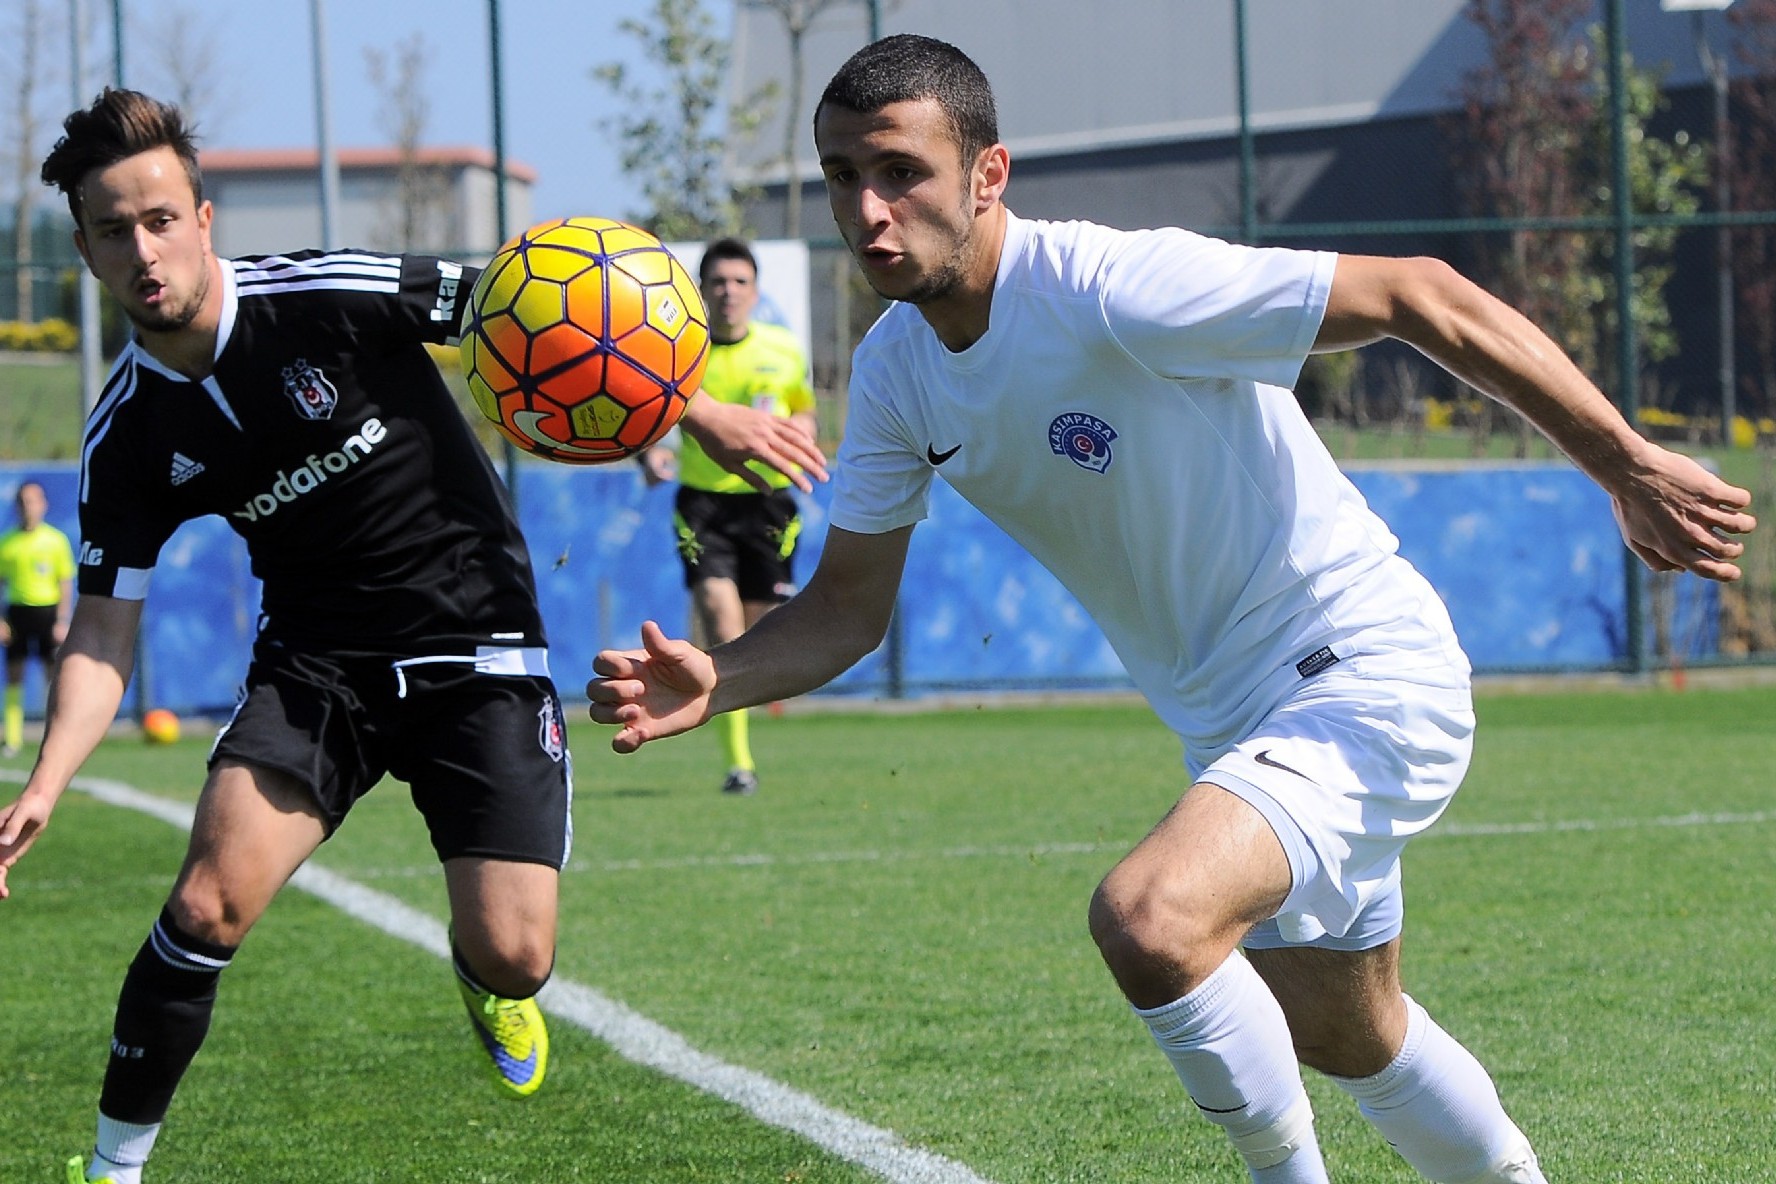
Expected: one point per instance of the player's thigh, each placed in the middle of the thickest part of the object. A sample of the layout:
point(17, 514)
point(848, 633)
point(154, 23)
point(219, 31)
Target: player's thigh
point(753, 611)
point(766, 529)
point(32, 634)
point(1210, 870)
point(720, 614)
point(253, 828)
point(1345, 1010)
point(701, 534)
point(503, 914)
point(486, 759)
point(1347, 770)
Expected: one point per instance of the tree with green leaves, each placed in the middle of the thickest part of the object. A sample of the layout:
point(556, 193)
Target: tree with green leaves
point(1533, 141)
point(673, 135)
point(1752, 181)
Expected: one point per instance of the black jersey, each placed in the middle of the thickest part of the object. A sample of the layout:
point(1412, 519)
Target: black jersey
point(327, 439)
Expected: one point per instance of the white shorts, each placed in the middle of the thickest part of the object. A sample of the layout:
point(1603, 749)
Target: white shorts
point(1346, 770)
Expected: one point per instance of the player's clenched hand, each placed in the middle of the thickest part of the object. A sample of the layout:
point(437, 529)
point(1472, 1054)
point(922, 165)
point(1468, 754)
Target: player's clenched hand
point(1676, 516)
point(659, 690)
point(733, 434)
point(20, 824)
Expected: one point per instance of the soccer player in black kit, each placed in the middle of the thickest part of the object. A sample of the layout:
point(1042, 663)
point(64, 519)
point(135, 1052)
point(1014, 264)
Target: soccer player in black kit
point(292, 396)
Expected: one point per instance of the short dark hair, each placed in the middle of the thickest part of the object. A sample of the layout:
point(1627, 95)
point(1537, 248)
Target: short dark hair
point(907, 67)
point(119, 124)
point(725, 248)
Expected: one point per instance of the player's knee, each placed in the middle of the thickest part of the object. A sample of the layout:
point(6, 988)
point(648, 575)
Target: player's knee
point(1141, 930)
point(515, 967)
point(1343, 1054)
point(205, 910)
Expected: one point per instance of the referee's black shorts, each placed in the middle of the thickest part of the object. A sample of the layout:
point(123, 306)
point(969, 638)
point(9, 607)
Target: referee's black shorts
point(484, 754)
point(745, 537)
point(33, 632)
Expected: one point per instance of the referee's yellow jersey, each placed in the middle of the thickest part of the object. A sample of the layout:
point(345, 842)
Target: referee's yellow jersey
point(35, 564)
point(764, 369)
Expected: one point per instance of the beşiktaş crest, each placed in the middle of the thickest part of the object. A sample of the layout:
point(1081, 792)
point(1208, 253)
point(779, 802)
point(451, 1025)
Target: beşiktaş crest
point(550, 734)
point(1082, 438)
point(309, 389)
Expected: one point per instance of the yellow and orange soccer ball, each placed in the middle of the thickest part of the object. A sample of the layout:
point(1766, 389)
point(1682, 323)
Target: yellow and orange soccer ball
point(160, 726)
point(584, 340)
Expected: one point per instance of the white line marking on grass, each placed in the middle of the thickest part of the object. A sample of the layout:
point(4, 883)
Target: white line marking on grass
point(1559, 826)
point(1451, 830)
point(631, 1034)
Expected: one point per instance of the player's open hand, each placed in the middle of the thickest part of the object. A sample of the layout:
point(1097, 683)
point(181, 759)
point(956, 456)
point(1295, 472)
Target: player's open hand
point(659, 690)
point(20, 824)
point(733, 434)
point(1677, 516)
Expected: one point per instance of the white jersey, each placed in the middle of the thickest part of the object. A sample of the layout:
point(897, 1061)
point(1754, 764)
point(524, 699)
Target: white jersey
point(1127, 418)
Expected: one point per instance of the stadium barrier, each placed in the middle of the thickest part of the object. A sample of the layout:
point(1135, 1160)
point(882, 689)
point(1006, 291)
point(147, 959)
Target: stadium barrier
point(1527, 555)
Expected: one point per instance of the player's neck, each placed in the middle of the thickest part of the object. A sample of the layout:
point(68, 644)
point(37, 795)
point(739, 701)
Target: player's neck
point(961, 317)
point(190, 349)
point(729, 336)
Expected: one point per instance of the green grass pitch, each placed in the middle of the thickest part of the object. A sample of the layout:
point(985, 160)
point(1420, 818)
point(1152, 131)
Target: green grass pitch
point(895, 926)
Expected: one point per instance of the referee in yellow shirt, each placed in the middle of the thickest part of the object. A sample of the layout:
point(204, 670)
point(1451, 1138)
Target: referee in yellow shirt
point(735, 542)
point(37, 570)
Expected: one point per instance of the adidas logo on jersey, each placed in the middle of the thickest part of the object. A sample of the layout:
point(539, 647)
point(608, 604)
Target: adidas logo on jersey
point(184, 468)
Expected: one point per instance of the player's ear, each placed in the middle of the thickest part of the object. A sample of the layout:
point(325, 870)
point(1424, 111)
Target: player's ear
point(992, 170)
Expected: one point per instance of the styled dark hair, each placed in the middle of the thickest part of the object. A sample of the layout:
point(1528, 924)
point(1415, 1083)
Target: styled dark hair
point(906, 67)
point(724, 248)
point(119, 124)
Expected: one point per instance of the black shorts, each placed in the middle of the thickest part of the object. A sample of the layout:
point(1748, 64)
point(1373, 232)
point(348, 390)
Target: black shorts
point(745, 537)
point(33, 632)
point(484, 754)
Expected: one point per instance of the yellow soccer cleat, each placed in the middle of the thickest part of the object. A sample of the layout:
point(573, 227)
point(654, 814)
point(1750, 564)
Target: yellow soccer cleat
point(77, 1173)
point(515, 1037)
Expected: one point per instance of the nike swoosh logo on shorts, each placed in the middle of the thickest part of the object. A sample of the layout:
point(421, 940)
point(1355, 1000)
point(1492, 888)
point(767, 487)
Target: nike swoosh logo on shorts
point(937, 458)
point(1263, 758)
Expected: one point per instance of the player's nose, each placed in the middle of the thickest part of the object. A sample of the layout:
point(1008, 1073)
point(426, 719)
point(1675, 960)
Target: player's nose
point(871, 208)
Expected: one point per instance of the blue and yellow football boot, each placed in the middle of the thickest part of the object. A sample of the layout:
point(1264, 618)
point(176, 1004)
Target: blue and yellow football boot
point(514, 1035)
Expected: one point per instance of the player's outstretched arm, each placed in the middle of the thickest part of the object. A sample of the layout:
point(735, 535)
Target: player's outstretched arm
point(670, 686)
point(733, 434)
point(91, 672)
point(1674, 514)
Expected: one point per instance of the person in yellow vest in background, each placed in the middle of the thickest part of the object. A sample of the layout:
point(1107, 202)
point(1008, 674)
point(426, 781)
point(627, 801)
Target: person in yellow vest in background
point(37, 570)
point(735, 542)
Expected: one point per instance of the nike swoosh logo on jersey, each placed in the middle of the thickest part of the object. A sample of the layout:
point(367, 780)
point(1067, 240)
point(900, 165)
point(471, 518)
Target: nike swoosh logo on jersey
point(1263, 758)
point(937, 458)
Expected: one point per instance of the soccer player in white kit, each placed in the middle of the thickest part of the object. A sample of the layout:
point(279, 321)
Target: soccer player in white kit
point(1119, 403)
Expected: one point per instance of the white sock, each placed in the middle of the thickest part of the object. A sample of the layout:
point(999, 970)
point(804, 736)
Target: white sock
point(121, 1150)
point(1229, 1043)
point(1438, 1108)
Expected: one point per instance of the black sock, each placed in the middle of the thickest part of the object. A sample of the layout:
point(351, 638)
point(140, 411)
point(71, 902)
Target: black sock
point(163, 1014)
point(461, 966)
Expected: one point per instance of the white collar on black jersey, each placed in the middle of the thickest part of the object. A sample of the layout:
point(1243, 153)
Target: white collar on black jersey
point(224, 328)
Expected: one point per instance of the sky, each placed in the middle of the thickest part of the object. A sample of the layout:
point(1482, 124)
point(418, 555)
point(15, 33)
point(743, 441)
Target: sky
point(552, 107)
